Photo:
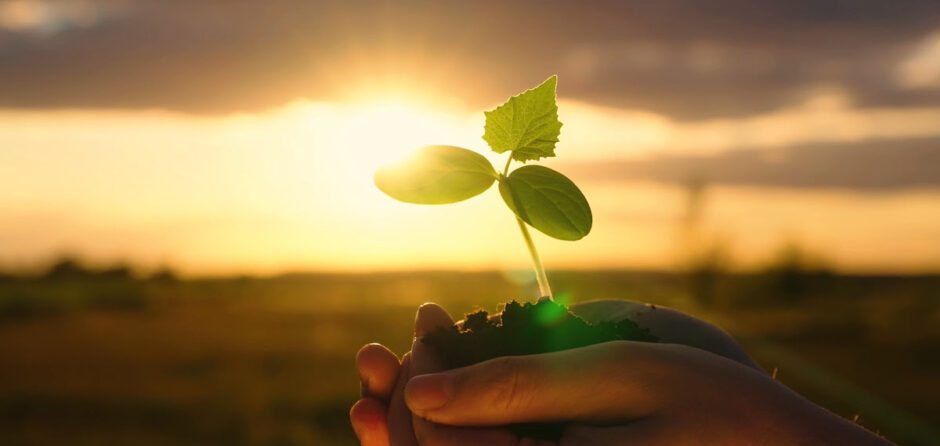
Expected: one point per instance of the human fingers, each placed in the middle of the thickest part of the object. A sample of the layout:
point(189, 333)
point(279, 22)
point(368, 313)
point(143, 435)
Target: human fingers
point(610, 381)
point(368, 419)
point(400, 430)
point(378, 371)
point(669, 325)
point(429, 318)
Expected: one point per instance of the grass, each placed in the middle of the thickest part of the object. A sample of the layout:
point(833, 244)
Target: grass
point(242, 361)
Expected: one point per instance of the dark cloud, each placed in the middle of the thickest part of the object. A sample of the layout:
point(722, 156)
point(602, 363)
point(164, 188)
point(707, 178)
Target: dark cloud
point(872, 166)
point(683, 58)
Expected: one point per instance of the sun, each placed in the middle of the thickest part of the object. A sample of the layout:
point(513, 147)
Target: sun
point(347, 142)
point(384, 131)
point(377, 132)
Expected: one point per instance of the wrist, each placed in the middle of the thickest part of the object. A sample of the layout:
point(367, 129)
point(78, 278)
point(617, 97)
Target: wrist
point(811, 424)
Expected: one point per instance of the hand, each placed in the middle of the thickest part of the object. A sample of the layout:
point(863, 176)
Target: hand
point(380, 417)
point(377, 365)
point(379, 370)
point(620, 393)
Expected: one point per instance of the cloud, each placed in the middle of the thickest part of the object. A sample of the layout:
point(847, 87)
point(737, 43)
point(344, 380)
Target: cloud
point(672, 57)
point(49, 17)
point(827, 117)
point(881, 165)
point(921, 70)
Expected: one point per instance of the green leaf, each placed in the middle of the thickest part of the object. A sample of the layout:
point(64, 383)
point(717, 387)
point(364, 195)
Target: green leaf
point(527, 124)
point(547, 201)
point(437, 175)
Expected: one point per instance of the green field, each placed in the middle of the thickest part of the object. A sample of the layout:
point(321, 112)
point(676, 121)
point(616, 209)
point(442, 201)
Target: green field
point(108, 359)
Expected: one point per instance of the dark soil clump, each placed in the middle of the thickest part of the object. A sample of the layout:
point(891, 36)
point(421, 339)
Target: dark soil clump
point(526, 329)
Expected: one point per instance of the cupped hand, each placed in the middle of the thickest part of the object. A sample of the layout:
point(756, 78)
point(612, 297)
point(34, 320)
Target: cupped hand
point(400, 428)
point(623, 393)
point(381, 418)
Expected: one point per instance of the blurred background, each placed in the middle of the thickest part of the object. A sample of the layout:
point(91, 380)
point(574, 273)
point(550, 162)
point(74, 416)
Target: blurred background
point(192, 248)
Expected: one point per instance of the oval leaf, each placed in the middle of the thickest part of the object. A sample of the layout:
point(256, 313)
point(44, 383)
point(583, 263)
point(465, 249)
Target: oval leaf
point(548, 201)
point(437, 175)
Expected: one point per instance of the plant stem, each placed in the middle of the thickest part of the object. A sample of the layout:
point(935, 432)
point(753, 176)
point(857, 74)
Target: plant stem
point(544, 289)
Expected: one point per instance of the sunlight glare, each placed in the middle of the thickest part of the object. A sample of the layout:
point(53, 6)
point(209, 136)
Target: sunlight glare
point(358, 138)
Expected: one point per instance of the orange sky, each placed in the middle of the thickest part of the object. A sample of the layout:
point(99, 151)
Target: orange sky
point(291, 189)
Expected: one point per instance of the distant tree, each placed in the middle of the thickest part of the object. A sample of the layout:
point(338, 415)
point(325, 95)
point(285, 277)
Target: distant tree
point(705, 258)
point(164, 274)
point(116, 272)
point(67, 268)
point(794, 273)
point(706, 272)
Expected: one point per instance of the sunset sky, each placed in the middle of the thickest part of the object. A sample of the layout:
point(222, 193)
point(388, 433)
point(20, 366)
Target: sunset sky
point(241, 137)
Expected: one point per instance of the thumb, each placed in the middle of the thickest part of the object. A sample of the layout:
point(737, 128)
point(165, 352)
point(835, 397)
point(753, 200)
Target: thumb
point(613, 381)
point(429, 318)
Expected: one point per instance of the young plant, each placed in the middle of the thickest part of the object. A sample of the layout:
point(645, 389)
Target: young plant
point(527, 127)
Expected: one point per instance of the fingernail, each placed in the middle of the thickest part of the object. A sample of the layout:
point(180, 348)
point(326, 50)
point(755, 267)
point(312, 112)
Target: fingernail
point(363, 384)
point(429, 392)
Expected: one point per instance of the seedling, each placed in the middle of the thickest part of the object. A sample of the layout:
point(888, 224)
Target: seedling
point(526, 127)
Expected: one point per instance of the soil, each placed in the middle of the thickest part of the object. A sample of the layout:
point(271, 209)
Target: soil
point(525, 329)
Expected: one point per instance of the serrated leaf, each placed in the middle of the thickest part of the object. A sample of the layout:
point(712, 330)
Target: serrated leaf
point(437, 175)
point(547, 201)
point(527, 124)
